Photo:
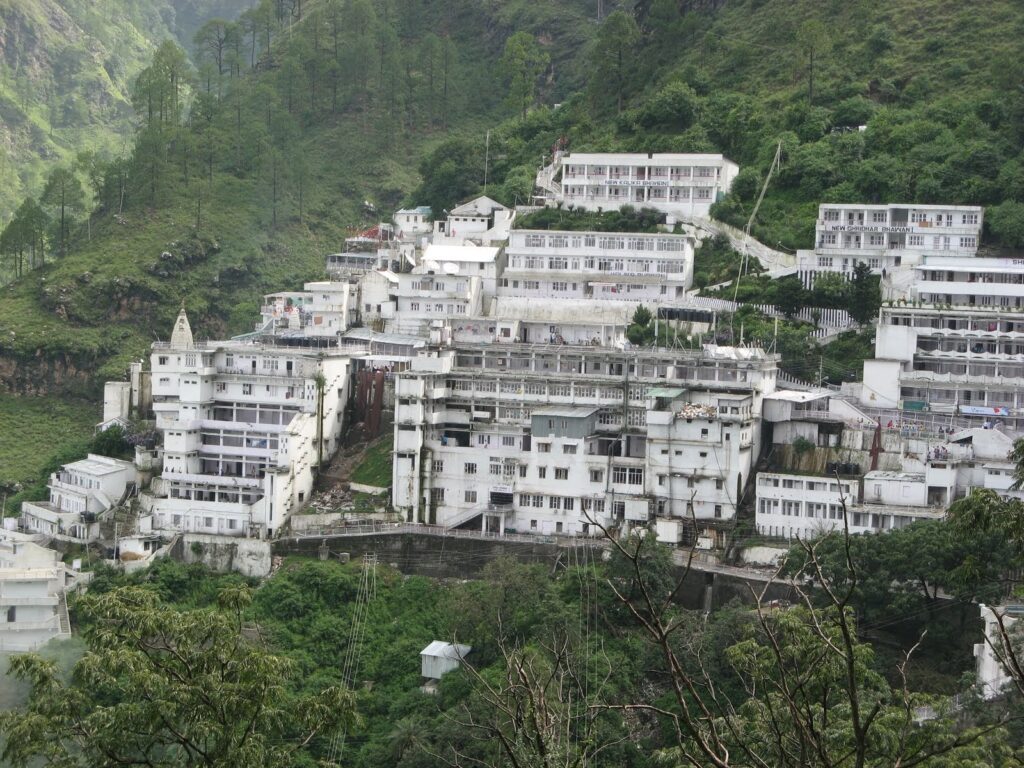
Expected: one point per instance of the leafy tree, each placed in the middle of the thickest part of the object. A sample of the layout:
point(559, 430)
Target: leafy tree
point(451, 173)
point(865, 294)
point(831, 290)
point(613, 57)
point(64, 192)
point(163, 687)
point(790, 296)
point(674, 107)
point(1006, 221)
point(522, 62)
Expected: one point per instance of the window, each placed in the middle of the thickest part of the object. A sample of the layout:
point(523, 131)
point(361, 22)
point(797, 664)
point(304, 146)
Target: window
point(438, 466)
point(554, 502)
point(831, 215)
point(968, 242)
point(718, 485)
point(437, 495)
point(568, 504)
point(543, 447)
point(558, 527)
point(533, 525)
point(522, 470)
point(915, 240)
point(414, 306)
point(879, 217)
point(597, 475)
point(569, 449)
point(470, 497)
point(162, 360)
point(970, 218)
point(718, 510)
point(247, 389)
point(222, 386)
point(561, 473)
point(208, 522)
point(508, 441)
point(470, 468)
point(542, 472)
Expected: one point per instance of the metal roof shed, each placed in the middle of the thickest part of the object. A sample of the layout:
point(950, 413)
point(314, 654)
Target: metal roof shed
point(440, 657)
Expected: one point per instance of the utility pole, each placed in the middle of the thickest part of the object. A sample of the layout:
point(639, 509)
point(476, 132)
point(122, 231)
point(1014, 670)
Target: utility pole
point(487, 158)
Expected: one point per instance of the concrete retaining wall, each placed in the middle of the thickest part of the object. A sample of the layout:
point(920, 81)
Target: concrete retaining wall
point(249, 557)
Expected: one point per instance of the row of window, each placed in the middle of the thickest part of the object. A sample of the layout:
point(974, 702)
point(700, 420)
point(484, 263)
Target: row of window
point(453, 309)
point(916, 217)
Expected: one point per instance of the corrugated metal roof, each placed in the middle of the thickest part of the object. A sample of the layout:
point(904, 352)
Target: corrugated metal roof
point(442, 650)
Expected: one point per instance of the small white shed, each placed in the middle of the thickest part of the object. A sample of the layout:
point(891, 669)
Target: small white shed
point(439, 658)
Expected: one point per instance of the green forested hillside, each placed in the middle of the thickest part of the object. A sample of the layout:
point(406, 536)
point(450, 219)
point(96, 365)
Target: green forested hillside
point(250, 162)
point(66, 69)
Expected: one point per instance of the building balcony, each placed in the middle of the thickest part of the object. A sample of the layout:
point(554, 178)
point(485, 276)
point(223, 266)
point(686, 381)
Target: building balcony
point(29, 626)
point(43, 601)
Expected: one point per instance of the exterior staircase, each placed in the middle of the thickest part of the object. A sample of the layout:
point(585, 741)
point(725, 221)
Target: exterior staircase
point(546, 176)
point(62, 613)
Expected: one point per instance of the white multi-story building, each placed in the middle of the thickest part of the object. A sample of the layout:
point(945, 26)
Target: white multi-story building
point(32, 584)
point(413, 223)
point(649, 268)
point(79, 493)
point(244, 425)
point(424, 297)
point(677, 184)
point(886, 237)
point(546, 439)
point(792, 505)
point(962, 360)
point(321, 312)
point(992, 653)
point(482, 220)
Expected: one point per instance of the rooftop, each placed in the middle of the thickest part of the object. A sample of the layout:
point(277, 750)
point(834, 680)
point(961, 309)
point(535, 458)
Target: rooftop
point(459, 253)
point(629, 158)
point(910, 477)
point(568, 411)
point(443, 650)
point(479, 206)
point(98, 465)
point(793, 396)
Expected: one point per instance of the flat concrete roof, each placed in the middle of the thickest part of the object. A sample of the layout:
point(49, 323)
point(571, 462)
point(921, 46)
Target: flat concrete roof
point(567, 411)
point(459, 253)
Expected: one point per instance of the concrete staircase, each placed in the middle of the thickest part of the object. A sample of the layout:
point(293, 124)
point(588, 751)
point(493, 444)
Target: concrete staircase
point(546, 176)
point(63, 618)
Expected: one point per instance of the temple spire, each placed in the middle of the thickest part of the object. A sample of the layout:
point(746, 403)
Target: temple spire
point(181, 336)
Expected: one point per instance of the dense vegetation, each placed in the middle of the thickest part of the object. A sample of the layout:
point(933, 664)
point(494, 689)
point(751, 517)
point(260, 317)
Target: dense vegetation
point(65, 80)
point(331, 626)
point(233, 188)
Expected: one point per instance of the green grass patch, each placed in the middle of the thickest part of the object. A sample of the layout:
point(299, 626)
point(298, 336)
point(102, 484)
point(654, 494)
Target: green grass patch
point(35, 430)
point(375, 468)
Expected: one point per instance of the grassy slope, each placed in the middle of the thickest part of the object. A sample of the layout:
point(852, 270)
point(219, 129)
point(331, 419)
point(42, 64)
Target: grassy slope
point(26, 447)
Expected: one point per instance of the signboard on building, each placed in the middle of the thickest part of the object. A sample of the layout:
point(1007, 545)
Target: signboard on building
point(636, 182)
point(984, 410)
point(867, 228)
